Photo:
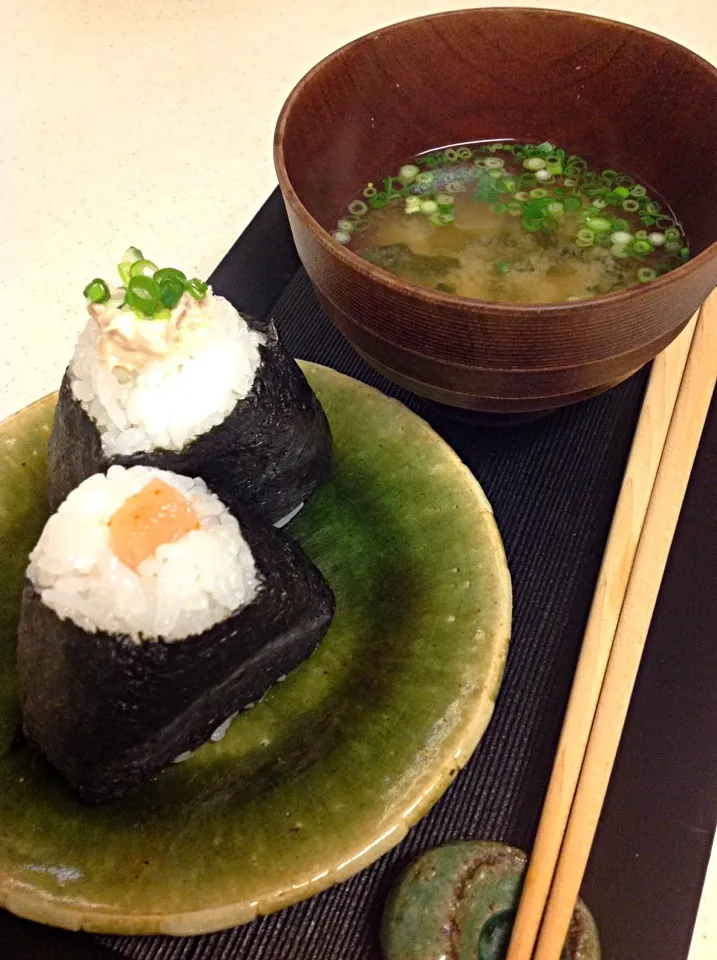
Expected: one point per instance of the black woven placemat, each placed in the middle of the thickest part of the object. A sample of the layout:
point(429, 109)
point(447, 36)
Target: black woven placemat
point(553, 486)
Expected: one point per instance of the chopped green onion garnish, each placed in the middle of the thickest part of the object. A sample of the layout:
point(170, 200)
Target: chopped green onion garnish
point(621, 237)
point(502, 266)
point(538, 193)
point(161, 275)
point(132, 254)
point(575, 167)
point(534, 163)
point(143, 268)
point(197, 288)
point(645, 274)
point(640, 247)
point(388, 186)
point(535, 209)
point(358, 208)
point(144, 295)
point(172, 290)
point(572, 203)
point(442, 219)
point(597, 224)
point(446, 202)
point(429, 206)
point(630, 205)
point(407, 173)
point(123, 269)
point(554, 165)
point(97, 291)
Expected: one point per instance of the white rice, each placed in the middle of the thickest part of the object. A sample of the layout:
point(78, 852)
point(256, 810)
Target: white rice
point(184, 588)
point(184, 377)
point(289, 516)
point(219, 734)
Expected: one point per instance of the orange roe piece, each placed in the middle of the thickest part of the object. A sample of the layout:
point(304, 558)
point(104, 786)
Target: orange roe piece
point(157, 514)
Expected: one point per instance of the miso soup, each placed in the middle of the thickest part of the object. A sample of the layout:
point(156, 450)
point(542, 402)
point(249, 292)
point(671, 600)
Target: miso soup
point(515, 223)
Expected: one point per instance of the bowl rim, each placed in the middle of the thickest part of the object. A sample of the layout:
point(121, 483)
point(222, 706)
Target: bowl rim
point(506, 310)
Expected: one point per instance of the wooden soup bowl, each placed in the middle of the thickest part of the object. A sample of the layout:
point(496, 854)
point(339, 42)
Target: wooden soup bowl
point(617, 95)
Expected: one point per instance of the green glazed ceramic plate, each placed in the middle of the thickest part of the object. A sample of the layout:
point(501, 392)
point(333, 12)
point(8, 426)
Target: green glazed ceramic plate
point(340, 760)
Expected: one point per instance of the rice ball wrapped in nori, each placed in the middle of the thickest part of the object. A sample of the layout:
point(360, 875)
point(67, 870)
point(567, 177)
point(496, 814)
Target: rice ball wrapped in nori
point(198, 390)
point(151, 615)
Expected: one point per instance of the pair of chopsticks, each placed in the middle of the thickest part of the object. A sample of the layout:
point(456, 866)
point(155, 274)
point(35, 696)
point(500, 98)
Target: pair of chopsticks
point(663, 451)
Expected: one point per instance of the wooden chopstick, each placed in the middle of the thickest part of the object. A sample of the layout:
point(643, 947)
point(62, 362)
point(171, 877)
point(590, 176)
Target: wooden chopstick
point(640, 472)
point(663, 511)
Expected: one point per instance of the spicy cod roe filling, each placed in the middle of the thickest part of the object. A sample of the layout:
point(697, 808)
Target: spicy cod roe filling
point(158, 514)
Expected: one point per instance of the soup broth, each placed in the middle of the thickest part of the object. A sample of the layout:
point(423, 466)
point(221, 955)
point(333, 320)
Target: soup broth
point(514, 223)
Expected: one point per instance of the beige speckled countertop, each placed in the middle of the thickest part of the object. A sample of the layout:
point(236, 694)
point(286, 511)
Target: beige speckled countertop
point(150, 122)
